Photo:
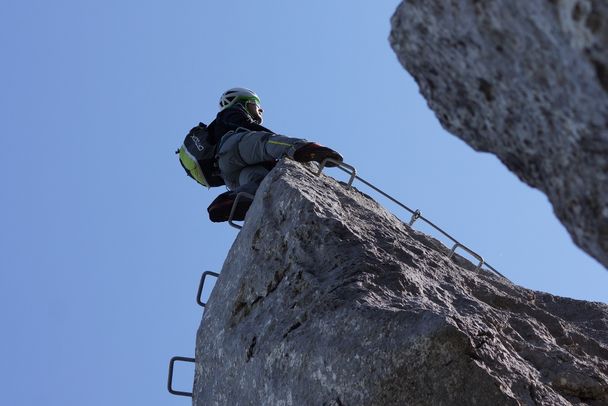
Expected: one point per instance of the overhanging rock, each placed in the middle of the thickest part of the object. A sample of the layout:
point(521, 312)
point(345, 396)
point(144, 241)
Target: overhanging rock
point(528, 82)
point(327, 299)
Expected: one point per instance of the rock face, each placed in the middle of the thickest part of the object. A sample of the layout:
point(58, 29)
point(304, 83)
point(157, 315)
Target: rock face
point(527, 81)
point(327, 299)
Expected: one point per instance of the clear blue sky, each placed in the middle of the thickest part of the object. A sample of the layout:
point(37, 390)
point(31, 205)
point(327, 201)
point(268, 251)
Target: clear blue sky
point(103, 237)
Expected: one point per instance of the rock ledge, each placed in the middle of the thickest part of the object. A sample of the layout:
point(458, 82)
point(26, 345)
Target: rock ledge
point(327, 299)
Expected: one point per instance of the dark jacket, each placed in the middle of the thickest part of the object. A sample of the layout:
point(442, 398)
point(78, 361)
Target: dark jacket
point(230, 119)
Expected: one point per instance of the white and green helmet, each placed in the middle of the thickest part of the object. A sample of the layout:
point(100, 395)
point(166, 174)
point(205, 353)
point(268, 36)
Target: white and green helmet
point(238, 94)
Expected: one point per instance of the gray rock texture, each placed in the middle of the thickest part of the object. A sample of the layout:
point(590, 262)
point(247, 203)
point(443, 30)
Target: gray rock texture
point(326, 298)
point(527, 81)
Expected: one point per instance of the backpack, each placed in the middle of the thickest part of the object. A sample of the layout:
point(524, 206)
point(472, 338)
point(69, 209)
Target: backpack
point(197, 157)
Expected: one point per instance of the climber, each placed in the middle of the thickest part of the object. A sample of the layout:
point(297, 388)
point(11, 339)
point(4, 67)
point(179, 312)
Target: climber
point(245, 151)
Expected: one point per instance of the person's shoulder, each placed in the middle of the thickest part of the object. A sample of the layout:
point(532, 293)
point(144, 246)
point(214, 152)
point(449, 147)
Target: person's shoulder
point(234, 115)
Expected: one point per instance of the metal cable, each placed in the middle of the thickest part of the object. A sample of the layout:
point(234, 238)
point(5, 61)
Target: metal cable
point(417, 215)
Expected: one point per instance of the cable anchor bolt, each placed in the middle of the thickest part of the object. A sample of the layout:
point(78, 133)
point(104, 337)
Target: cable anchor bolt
point(417, 214)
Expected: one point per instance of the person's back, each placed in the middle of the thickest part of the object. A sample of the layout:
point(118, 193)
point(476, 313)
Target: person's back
point(231, 118)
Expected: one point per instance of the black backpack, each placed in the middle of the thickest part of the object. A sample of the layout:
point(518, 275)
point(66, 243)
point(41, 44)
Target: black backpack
point(197, 156)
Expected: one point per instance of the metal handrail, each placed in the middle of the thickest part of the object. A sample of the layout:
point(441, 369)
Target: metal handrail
point(201, 285)
point(170, 379)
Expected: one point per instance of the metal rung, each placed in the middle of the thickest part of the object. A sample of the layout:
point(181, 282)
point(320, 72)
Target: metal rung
point(170, 380)
point(201, 285)
point(474, 254)
point(236, 201)
point(342, 165)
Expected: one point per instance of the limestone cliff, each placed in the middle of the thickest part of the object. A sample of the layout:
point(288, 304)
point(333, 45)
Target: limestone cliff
point(326, 298)
point(527, 81)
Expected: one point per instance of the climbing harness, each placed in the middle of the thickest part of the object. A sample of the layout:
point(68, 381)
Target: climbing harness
point(416, 214)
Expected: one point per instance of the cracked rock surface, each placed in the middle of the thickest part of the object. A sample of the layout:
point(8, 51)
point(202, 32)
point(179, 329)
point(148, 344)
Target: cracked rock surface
point(528, 82)
point(326, 298)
